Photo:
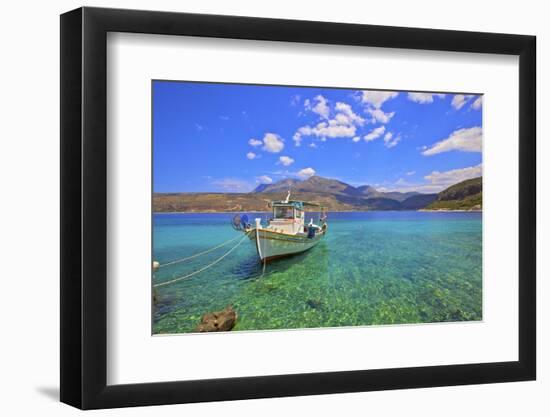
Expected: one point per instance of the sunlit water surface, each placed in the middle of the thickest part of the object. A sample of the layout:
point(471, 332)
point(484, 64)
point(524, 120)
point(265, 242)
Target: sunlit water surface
point(372, 268)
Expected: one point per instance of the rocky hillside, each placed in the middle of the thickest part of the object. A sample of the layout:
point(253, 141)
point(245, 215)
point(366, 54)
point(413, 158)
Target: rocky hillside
point(333, 194)
point(466, 195)
point(320, 185)
point(251, 202)
point(314, 184)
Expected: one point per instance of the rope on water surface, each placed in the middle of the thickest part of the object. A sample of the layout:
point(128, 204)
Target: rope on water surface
point(161, 284)
point(177, 261)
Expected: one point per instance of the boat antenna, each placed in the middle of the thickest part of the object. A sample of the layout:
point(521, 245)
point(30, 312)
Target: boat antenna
point(287, 196)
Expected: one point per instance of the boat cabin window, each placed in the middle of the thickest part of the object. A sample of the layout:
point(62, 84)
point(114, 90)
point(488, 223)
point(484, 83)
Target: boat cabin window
point(283, 212)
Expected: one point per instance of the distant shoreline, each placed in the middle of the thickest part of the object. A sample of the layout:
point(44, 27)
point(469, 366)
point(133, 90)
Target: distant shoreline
point(208, 212)
point(451, 210)
point(328, 211)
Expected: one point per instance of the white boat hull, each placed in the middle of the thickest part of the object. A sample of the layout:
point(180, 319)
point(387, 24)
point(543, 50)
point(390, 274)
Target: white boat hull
point(272, 245)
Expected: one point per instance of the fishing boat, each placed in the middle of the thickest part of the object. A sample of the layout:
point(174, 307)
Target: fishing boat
point(286, 232)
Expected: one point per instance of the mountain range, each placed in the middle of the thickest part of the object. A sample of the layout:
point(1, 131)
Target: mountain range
point(317, 184)
point(335, 195)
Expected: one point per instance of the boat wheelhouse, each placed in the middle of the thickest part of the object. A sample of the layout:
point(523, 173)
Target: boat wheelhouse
point(286, 232)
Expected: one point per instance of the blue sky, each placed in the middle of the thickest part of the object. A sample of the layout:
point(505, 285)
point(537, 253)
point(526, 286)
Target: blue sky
point(231, 137)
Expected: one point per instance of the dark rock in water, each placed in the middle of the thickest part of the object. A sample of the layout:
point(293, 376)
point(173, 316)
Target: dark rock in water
point(218, 321)
point(314, 303)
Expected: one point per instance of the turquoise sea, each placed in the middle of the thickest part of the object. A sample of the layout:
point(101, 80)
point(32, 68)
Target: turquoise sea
point(372, 268)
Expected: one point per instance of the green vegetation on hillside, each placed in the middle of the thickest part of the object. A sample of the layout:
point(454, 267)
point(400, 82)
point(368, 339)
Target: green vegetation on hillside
point(473, 202)
point(462, 190)
point(466, 195)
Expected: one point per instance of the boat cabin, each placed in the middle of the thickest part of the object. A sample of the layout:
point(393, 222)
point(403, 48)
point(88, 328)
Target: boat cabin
point(288, 217)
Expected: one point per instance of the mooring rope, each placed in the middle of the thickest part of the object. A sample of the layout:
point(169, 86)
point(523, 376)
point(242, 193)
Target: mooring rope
point(265, 240)
point(177, 261)
point(161, 284)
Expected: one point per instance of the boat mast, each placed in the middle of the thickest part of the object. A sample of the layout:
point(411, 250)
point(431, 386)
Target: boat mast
point(287, 196)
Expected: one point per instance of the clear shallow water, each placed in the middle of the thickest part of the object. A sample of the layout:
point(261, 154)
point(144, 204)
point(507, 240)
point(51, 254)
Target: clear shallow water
point(372, 268)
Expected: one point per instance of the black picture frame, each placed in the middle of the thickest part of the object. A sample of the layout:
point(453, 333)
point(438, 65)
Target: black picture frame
point(84, 207)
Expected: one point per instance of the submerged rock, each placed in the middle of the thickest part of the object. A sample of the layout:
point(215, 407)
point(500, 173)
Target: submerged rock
point(313, 303)
point(218, 321)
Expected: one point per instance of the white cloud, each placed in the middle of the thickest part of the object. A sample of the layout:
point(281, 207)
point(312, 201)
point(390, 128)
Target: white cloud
point(373, 101)
point(459, 100)
point(448, 178)
point(375, 133)
point(323, 130)
point(312, 145)
point(347, 115)
point(295, 100)
point(319, 107)
point(223, 117)
point(393, 142)
point(390, 141)
point(264, 179)
point(306, 173)
point(378, 115)
point(333, 129)
point(232, 185)
point(251, 155)
point(254, 142)
point(297, 138)
point(273, 143)
point(409, 173)
point(286, 160)
point(356, 139)
point(199, 127)
point(465, 140)
point(424, 98)
point(476, 105)
point(341, 119)
point(437, 181)
point(377, 98)
point(343, 125)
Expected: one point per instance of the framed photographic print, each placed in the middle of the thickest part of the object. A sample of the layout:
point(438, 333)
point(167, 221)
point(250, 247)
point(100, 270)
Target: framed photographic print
point(256, 208)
